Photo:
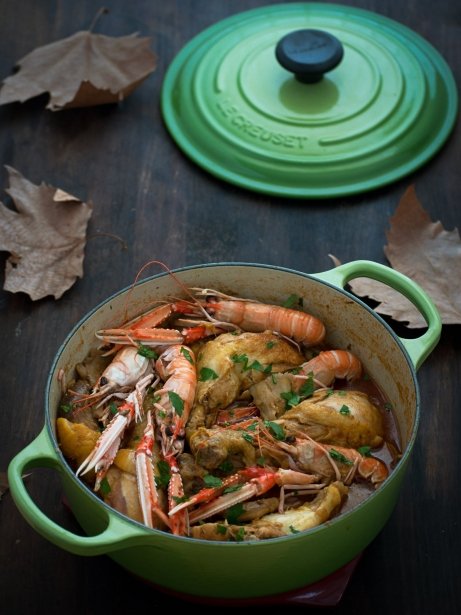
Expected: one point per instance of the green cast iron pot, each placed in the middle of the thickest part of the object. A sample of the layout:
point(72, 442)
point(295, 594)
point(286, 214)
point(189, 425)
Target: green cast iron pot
point(247, 569)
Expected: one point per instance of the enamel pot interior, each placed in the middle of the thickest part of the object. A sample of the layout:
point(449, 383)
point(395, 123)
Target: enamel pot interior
point(250, 569)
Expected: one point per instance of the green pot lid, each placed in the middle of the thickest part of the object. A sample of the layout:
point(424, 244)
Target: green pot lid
point(385, 105)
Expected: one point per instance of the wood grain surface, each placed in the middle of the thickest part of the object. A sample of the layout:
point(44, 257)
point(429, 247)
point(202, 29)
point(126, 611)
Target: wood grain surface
point(151, 202)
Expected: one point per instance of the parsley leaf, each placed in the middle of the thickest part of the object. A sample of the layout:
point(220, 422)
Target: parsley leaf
point(292, 301)
point(226, 466)
point(291, 399)
point(337, 456)
point(233, 513)
point(206, 373)
point(344, 409)
point(212, 481)
point(276, 429)
point(232, 488)
point(308, 387)
point(147, 352)
point(365, 451)
point(164, 474)
point(184, 351)
point(105, 487)
point(176, 402)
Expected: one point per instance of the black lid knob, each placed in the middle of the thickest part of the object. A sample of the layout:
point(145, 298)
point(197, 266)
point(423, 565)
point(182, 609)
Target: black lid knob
point(309, 54)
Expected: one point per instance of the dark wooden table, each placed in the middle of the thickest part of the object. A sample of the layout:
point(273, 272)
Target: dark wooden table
point(151, 202)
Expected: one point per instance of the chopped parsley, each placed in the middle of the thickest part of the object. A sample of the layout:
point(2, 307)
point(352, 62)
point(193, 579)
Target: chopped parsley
point(291, 399)
point(248, 438)
point(66, 408)
point(176, 402)
point(226, 466)
point(233, 513)
point(344, 410)
point(164, 474)
point(308, 387)
point(184, 351)
point(240, 535)
point(337, 456)
point(293, 530)
point(270, 344)
point(232, 488)
point(113, 408)
point(105, 487)
point(147, 352)
point(276, 429)
point(180, 499)
point(221, 529)
point(365, 451)
point(261, 461)
point(256, 365)
point(293, 301)
point(212, 481)
point(206, 373)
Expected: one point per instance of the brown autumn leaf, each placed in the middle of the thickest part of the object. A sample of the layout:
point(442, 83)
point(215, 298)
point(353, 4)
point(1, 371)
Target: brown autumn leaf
point(45, 238)
point(82, 70)
point(426, 253)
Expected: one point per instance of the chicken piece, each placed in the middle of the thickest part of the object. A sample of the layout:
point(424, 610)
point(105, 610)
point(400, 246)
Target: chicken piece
point(257, 508)
point(267, 395)
point(211, 447)
point(121, 493)
point(230, 364)
point(317, 373)
point(273, 525)
point(191, 473)
point(345, 418)
point(76, 440)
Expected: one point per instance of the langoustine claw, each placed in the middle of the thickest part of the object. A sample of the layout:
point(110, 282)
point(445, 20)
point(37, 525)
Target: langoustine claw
point(244, 485)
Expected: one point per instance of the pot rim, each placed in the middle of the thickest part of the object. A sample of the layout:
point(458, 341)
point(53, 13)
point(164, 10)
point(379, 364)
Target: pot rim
point(229, 545)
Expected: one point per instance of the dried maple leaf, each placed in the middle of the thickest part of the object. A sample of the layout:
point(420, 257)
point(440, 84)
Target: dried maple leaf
point(426, 253)
point(45, 238)
point(82, 70)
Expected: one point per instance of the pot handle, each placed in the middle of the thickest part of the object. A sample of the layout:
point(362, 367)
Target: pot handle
point(41, 454)
point(419, 348)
